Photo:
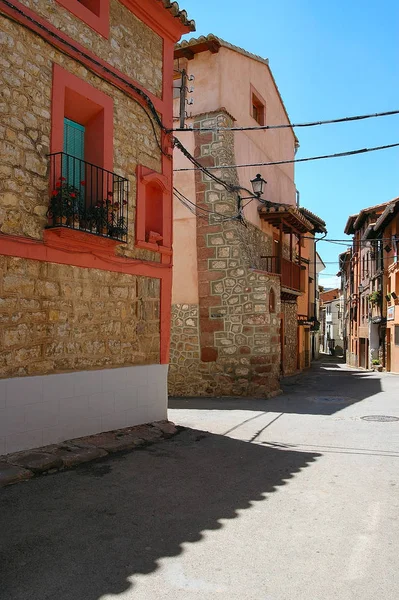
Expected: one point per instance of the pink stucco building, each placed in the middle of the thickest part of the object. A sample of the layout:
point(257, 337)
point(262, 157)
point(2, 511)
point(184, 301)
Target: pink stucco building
point(235, 286)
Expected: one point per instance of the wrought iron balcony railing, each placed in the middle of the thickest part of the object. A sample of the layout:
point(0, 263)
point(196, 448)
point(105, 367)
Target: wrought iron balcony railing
point(290, 272)
point(87, 198)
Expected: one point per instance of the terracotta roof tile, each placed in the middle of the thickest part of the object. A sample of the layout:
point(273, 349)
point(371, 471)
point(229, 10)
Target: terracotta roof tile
point(175, 10)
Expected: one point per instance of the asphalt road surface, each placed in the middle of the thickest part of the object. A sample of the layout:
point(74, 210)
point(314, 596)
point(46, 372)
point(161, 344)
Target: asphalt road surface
point(294, 498)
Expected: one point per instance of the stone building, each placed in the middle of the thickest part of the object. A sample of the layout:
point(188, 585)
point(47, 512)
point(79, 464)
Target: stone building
point(85, 215)
point(238, 268)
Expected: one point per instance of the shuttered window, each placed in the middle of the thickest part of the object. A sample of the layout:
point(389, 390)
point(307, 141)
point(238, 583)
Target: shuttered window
point(74, 145)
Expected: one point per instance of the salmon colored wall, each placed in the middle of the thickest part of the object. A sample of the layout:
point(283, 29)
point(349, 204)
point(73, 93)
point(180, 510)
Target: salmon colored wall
point(185, 274)
point(224, 80)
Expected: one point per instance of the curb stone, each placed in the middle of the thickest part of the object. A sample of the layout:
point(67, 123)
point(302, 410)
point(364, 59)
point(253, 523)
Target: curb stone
point(20, 466)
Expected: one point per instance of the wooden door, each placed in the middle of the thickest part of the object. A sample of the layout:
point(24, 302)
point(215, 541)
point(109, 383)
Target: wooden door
point(388, 365)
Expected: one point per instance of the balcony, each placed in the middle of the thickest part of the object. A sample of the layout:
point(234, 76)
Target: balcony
point(88, 198)
point(290, 272)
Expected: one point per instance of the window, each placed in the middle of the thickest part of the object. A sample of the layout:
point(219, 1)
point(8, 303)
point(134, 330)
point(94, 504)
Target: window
point(396, 335)
point(81, 120)
point(95, 13)
point(258, 107)
point(153, 227)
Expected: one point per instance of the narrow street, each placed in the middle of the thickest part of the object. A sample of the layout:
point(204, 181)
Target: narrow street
point(294, 498)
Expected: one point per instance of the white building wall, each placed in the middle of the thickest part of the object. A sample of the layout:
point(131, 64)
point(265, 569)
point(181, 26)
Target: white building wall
point(48, 409)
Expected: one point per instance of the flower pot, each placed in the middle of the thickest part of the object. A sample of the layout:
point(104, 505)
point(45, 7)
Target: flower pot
point(103, 230)
point(60, 220)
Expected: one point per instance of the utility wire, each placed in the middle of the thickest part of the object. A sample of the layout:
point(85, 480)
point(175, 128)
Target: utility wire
point(293, 125)
point(298, 160)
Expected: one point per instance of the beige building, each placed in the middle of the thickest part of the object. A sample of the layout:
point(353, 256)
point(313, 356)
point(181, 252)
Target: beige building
point(85, 216)
point(235, 285)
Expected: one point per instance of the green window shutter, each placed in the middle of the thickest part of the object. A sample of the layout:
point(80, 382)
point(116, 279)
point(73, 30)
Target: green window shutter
point(74, 139)
point(74, 145)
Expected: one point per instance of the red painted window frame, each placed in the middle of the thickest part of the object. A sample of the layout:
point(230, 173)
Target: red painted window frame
point(65, 85)
point(99, 22)
point(145, 177)
point(260, 103)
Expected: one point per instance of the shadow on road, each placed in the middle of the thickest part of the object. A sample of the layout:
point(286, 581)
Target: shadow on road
point(326, 388)
point(82, 534)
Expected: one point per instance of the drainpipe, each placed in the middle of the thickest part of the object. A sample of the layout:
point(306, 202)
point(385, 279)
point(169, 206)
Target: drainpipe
point(297, 198)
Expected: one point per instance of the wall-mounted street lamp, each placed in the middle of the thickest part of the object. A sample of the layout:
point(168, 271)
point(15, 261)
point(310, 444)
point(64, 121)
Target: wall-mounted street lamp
point(360, 289)
point(258, 185)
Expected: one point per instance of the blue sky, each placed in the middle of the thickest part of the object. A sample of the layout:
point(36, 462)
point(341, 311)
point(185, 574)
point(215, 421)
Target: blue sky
point(330, 60)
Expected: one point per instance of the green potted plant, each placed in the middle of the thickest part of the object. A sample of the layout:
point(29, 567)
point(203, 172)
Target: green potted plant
point(375, 297)
point(65, 204)
point(376, 364)
point(118, 228)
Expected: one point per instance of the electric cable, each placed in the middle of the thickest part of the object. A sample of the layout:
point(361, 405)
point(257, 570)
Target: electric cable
point(298, 160)
point(293, 125)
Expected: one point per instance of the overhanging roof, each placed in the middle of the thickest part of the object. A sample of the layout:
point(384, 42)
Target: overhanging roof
point(289, 217)
point(319, 224)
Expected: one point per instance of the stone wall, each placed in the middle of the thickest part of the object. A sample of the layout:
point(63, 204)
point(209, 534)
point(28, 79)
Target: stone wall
point(132, 47)
point(26, 63)
point(56, 318)
point(290, 312)
point(238, 337)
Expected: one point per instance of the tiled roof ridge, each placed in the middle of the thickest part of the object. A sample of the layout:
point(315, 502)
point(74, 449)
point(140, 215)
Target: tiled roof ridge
point(180, 14)
point(212, 37)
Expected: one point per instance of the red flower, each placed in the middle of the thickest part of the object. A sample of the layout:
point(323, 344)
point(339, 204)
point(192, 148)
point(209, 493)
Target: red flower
point(58, 184)
point(72, 195)
point(116, 204)
point(62, 178)
point(110, 193)
point(82, 183)
point(124, 202)
point(55, 193)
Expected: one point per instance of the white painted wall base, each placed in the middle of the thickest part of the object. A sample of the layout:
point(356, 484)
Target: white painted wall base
point(48, 409)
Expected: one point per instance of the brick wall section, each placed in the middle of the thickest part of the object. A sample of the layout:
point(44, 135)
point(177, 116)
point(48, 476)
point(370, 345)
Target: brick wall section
point(290, 312)
point(55, 318)
point(25, 103)
point(132, 47)
point(239, 339)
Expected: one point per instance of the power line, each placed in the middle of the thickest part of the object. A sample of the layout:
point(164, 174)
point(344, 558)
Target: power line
point(293, 125)
point(298, 160)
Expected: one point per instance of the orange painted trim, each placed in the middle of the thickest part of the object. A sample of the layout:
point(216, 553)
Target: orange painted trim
point(144, 177)
point(95, 258)
point(63, 42)
point(63, 80)
point(99, 22)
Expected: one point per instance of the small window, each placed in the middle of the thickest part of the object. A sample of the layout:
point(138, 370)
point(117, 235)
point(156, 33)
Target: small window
point(95, 13)
point(258, 108)
point(92, 5)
